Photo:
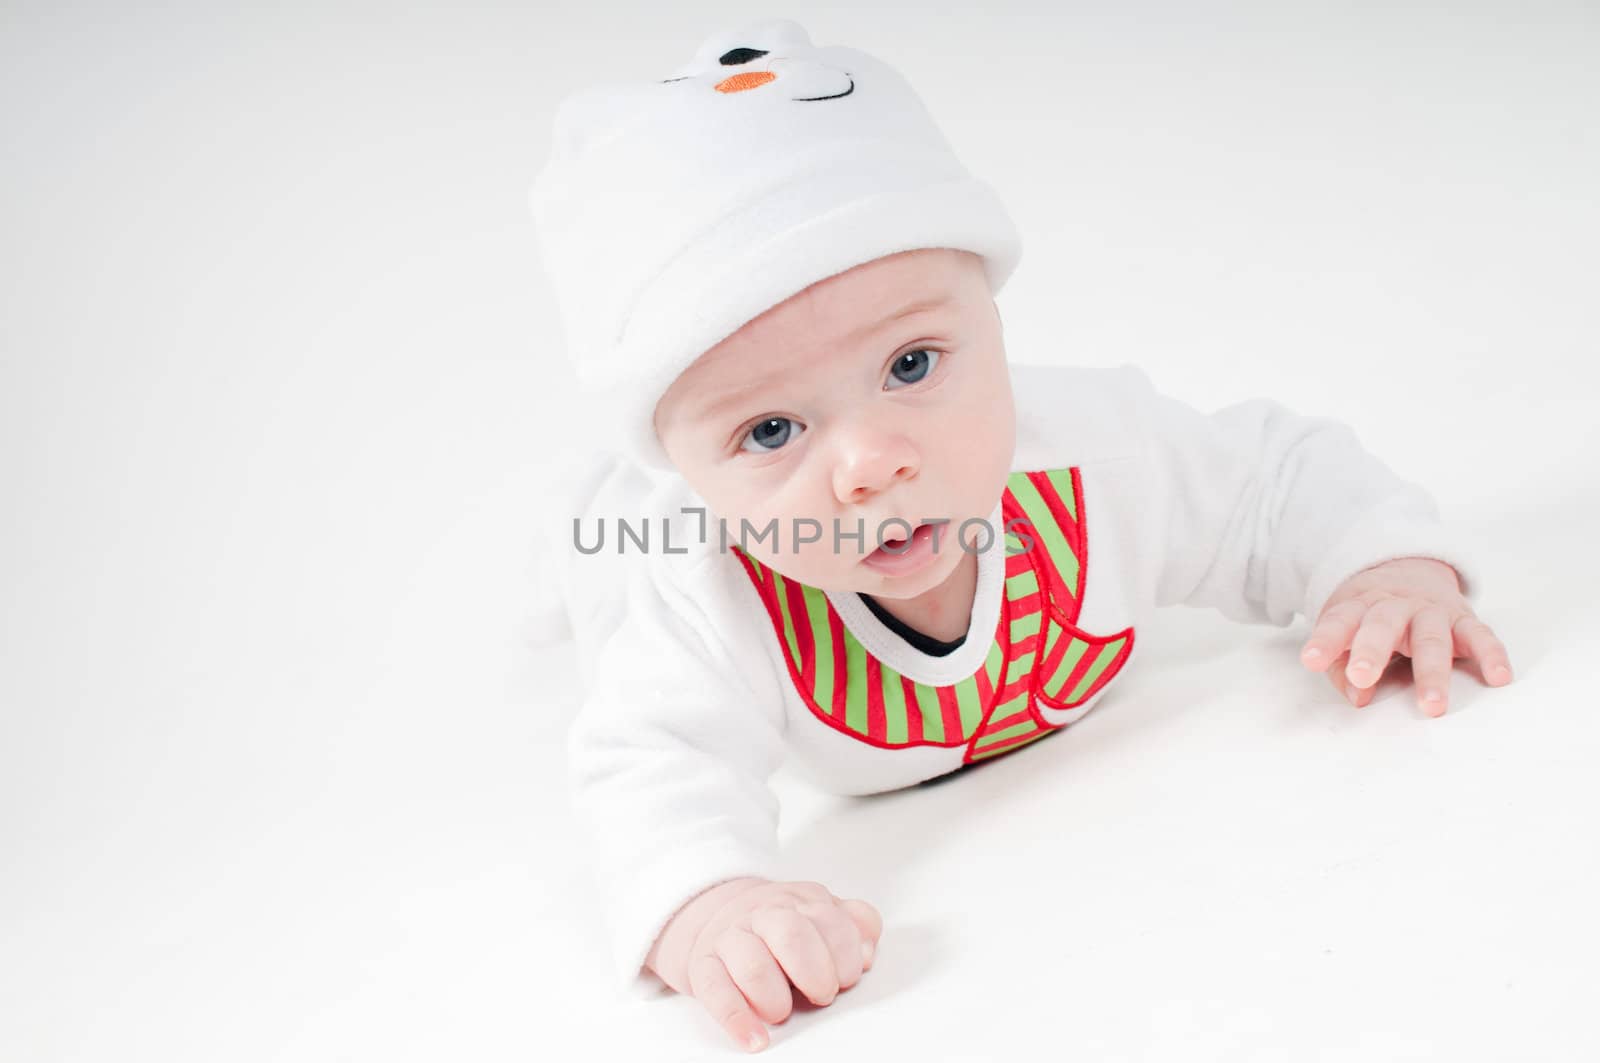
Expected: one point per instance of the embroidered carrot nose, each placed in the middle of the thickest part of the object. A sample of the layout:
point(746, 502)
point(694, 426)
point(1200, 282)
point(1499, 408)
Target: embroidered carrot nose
point(740, 82)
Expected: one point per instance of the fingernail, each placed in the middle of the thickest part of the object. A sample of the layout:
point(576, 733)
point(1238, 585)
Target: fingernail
point(756, 1042)
point(866, 952)
point(1361, 665)
point(1313, 654)
point(1430, 697)
point(1502, 672)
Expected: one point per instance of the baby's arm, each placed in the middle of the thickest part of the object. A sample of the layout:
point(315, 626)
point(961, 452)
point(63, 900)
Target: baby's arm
point(1269, 513)
point(669, 761)
point(1267, 510)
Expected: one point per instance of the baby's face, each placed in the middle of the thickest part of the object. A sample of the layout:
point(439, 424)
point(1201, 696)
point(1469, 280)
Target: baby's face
point(849, 402)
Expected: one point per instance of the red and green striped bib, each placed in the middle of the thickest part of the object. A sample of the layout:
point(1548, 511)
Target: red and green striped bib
point(1038, 655)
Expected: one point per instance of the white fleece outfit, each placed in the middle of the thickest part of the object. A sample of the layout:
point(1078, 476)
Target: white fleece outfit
point(704, 670)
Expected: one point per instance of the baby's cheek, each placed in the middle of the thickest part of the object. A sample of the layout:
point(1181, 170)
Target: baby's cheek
point(829, 561)
point(973, 455)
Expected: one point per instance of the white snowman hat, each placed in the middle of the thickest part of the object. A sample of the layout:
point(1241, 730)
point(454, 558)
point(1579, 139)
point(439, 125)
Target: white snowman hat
point(672, 211)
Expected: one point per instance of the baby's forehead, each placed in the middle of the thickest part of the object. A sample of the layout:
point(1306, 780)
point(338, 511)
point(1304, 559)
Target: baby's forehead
point(725, 375)
point(833, 318)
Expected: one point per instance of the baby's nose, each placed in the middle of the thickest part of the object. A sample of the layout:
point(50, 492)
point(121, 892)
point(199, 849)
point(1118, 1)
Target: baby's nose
point(867, 474)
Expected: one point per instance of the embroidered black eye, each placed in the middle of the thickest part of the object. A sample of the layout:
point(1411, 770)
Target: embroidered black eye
point(736, 56)
point(768, 435)
point(912, 366)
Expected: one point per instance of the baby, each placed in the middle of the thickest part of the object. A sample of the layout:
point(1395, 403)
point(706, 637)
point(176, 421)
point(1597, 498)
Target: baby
point(874, 531)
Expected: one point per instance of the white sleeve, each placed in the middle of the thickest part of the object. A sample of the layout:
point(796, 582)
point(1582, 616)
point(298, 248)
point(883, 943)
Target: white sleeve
point(1266, 511)
point(669, 758)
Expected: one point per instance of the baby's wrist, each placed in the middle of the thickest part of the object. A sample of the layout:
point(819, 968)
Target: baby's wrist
point(669, 955)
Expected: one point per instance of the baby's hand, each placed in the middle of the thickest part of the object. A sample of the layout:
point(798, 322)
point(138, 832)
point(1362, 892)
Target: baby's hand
point(738, 946)
point(1413, 605)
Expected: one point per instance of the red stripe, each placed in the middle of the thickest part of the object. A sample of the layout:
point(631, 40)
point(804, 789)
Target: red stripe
point(1002, 630)
point(875, 723)
point(1054, 660)
point(1112, 667)
point(913, 711)
point(1028, 603)
point(836, 628)
point(985, 688)
point(1012, 741)
point(1058, 509)
point(802, 633)
point(1016, 519)
point(1000, 725)
point(1035, 558)
point(1088, 658)
point(1072, 603)
point(950, 711)
point(1016, 651)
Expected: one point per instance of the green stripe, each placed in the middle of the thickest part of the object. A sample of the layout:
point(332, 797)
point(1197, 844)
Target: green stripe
point(1046, 531)
point(1021, 585)
point(822, 646)
point(1010, 708)
point(1108, 653)
point(788, 621)
point(1010, 732)
point(1021, 666)
point(1024, 626)
point(980, 754)
point(894, 706)
point(855, 693)
point(1050, 638)
point(932, 718)
point(971, 711)
point(1061, 480)
point(993, 663)
point(1069, 661)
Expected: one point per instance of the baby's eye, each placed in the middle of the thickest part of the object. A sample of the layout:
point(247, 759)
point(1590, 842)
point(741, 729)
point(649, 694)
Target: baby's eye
point(912, 366)
point(769, 435)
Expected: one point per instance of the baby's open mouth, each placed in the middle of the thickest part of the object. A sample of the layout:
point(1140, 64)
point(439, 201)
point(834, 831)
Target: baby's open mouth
point(899, 556)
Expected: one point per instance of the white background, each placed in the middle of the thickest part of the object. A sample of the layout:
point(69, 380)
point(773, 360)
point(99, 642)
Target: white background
point(281, 779)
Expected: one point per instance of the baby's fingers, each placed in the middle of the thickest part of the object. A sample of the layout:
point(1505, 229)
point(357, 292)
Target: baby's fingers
point(868, 921)
point(1330, 639)
point(1480, 642)
point(1357, 696)
point(843, 939)
point(1430, 645)
point(756, 972)
point(800, 949)
point(713, 986)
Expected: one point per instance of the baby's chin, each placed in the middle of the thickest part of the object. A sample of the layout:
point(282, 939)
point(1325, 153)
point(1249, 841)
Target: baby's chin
point(913, 584)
